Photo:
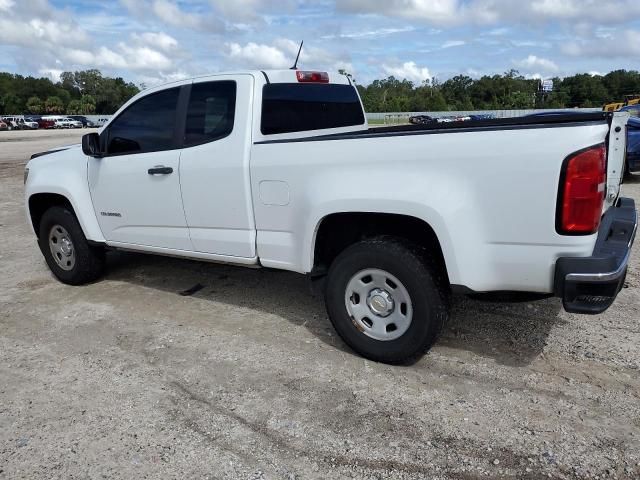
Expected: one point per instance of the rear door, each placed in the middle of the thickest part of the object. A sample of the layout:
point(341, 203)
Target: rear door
point(214, 166)
point(135, 188)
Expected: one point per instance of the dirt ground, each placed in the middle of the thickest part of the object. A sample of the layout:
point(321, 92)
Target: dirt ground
point(246, 379)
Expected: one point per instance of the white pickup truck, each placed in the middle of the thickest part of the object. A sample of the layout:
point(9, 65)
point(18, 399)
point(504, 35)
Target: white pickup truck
point(279, 169)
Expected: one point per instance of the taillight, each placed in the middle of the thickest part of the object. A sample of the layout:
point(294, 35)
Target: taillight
point(312, 77)
point(582, 191)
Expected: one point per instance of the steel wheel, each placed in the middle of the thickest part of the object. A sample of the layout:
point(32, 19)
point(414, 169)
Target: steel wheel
point(62, 248)
point(379, 304)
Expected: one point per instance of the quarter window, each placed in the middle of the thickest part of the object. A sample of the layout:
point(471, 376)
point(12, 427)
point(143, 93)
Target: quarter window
point(211, 112)
point(146, 126)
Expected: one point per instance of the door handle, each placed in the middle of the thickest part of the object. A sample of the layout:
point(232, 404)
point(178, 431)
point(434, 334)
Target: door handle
point(160, 170)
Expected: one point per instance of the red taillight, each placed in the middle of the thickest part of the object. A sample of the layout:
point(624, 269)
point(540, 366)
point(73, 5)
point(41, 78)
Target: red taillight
point(312, 77)
point(582, 191)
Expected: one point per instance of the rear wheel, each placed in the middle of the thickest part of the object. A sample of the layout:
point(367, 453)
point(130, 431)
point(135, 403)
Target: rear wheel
point(386, 299)
point(66, 250)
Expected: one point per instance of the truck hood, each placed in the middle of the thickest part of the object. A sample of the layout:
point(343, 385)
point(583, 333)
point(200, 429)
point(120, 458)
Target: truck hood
point(55, 150)
point(70, 156)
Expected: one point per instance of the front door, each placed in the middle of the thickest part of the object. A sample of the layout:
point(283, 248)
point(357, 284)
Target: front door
point(135, 187)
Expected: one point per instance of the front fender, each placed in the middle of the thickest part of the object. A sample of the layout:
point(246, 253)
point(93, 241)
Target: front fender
point(65, 173)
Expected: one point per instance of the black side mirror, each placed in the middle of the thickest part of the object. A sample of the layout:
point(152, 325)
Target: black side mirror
point(91, 145)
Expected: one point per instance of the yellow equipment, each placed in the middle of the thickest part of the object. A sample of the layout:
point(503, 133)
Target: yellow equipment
point(628, 100)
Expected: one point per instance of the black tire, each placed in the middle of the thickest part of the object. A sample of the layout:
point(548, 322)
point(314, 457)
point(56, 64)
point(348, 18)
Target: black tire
point(89, 260)
point(424, 282)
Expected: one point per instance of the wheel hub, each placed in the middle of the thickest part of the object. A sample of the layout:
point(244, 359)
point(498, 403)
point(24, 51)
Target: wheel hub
point(61, 247)
point(380, 302)
point(66, 247)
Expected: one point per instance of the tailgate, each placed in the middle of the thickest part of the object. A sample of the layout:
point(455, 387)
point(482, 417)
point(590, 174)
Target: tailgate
point(616, 151)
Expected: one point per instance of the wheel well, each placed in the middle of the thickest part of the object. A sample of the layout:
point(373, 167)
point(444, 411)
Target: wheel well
point(41, 202)
point(340, 230)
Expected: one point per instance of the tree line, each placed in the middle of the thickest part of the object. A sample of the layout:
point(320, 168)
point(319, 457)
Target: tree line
point(88, 92)
point(510, 90)
point(84, 93)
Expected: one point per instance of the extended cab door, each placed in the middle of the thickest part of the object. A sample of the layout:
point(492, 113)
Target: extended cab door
point(214, 166)
point(135, 187)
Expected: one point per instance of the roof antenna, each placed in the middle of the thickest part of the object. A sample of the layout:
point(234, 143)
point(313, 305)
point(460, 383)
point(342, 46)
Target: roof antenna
point(295, 65)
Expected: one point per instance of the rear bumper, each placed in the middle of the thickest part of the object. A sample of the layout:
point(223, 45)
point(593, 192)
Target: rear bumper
point(590, 284)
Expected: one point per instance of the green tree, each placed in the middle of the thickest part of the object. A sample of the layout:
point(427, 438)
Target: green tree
point(87, 105)
point(10, 103)
point(34, 105)
point(54, 105)
point(74, 107)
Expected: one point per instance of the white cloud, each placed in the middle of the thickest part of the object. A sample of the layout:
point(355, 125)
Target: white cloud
point(409, 71)
point(282, 53)
point(160, 40)
point(433, 11)
point(453, 43)
point(171, 14)
point(6, 5)
point(255, 55)
point(141, 53)
point(37, 32)
point(251, 10)
point(532, 62)
point(449, 12)
point(52, 73)
point(380, 32)
point(621, 44)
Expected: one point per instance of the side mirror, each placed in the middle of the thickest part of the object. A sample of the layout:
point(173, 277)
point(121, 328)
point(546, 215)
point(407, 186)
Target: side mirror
point(91, 145)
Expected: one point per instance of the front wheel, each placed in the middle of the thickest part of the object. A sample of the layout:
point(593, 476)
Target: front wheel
point(386, 299)
point(66, 250)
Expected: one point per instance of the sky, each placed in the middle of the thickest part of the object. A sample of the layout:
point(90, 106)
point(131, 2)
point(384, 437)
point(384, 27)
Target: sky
point(155, 41)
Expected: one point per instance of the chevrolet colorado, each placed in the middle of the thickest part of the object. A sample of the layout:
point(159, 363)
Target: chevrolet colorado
point(279, 169)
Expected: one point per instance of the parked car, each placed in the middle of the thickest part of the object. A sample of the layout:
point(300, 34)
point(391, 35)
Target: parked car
point(3, 126)
point(421, 120)
point(483, 116)
point(633, 146)
point(60, 123)
point(83, 120)
point(44, 123)
point(633, 110)
point(34, 121)
point(301, 183)
point(64, 122)
point(19, 123)
point(74, 123)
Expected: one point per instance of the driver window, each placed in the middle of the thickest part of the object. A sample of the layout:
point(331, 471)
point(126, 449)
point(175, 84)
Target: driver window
point(146, 126)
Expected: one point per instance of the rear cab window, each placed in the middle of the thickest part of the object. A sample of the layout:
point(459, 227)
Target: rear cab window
point(303, 107)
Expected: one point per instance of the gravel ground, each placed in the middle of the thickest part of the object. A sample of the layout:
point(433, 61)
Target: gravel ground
point(245, 379)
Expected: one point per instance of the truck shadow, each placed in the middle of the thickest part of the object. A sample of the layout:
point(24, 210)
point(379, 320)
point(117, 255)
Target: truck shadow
point(512, 334)
point(632, 179)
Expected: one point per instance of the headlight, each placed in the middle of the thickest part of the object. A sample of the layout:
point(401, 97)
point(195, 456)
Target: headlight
point(26, 175)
